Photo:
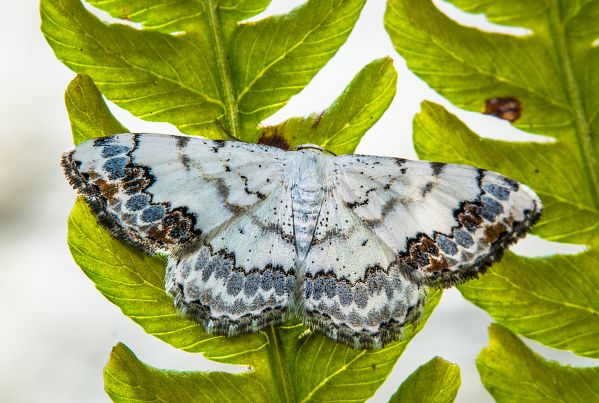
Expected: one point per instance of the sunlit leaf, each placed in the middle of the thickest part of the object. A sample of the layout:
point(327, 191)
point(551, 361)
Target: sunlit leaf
point(530, 378)
point(340, 127)
point(88, 113)
point(196, 65)
point(437, 381)
point(128, 379)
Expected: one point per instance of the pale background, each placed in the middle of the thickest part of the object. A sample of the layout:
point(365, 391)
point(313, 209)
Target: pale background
point(57, 330)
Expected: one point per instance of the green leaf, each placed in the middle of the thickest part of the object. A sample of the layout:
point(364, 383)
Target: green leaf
point(544, 83)
point(187, 15)
point(551, 74)
point(552, 300)
point(340, 127)
point(531, 378)
point(435, 382)
point(196, 66)
point(88, 113)
point(300, 365)
point(128, 379)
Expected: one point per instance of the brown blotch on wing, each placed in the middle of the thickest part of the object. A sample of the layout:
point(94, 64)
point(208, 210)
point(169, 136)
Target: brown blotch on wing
point(493, 232)
point(424, 254)
point(136, 179)
point(436, 263)
point(176, 227)
point(107, 190)
point(469, 217)
point(507, 108)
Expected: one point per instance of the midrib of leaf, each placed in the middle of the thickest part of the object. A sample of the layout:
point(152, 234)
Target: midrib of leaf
point(582, 130)
point(231, 111)
point(331, 137)
point(283, 55)
point(322, 383)
point(279, 370)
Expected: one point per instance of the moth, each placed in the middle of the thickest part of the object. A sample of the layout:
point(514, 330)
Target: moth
point(256, 235)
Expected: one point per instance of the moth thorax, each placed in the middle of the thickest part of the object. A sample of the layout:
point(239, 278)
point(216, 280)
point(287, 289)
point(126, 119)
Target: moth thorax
point(307, 195)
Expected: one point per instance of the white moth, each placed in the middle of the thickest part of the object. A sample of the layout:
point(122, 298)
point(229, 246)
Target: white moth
point(256, 235)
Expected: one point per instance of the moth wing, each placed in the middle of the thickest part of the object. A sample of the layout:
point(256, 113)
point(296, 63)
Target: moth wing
point(221, 210)
point(242, 278)
point(446, 223)
point(354, 290)
point(159, 191)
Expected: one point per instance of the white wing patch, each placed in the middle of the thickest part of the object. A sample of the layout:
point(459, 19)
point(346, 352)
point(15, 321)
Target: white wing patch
point(242, 277)
point(354, 289)
point(445, 222)
point(256, 235)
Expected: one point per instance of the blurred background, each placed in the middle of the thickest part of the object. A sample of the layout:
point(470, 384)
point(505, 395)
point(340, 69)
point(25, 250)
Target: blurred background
point(57, 330)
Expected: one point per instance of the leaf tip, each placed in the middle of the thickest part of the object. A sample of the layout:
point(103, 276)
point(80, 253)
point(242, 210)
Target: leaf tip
point(88, 113)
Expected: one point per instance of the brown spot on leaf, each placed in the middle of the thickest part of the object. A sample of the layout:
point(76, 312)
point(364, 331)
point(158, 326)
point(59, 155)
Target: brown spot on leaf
point(508, 108)
point(273, 136)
